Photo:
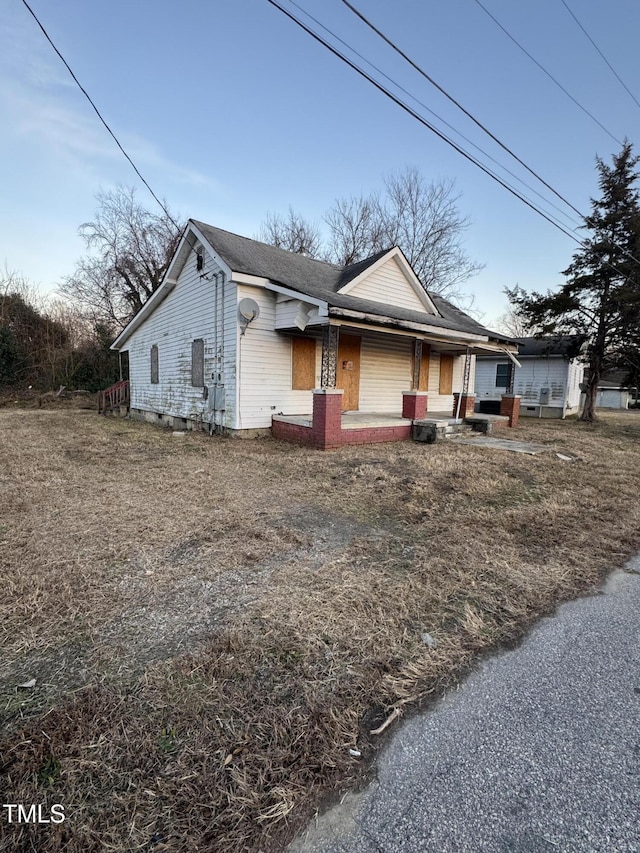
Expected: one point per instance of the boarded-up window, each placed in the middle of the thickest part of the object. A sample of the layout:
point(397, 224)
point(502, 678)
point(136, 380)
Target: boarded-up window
point(446, 374)
point(423, 385)
point(154, 365)
point(197, 363)
point(303, 364)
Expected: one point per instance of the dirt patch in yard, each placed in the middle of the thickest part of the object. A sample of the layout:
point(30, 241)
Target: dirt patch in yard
point(213, 624)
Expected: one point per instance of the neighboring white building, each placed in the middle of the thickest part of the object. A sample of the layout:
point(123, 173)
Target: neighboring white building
point(610, 397)
point(240, 332)
point(612, 392)
point(548, 380)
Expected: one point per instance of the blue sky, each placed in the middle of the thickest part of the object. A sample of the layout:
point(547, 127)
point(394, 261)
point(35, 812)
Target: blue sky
point(230, 112)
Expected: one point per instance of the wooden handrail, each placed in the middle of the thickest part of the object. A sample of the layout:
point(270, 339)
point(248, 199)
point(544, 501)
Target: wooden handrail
point(113, 397)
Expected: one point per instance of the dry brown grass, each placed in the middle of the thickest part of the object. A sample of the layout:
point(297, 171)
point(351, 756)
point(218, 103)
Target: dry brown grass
point(213, 624)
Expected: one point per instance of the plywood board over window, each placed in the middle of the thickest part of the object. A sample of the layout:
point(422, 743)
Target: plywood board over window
point(197, 363)
point(446, 374)
point(303, 364)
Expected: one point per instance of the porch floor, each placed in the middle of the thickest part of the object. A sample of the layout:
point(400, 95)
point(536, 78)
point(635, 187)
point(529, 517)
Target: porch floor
point(366, 420)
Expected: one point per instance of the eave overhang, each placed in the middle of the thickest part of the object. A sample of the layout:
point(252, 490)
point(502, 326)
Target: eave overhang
point(430, 332)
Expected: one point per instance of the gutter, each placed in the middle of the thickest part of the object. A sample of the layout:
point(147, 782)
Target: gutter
point(434, 332)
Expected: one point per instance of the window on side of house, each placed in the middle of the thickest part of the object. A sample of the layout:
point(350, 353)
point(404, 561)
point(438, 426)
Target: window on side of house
point(197, 363)
point(154, 365)
point(503, 373)
point(303, 364)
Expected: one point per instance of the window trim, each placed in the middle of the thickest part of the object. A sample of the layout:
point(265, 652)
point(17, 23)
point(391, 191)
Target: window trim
point(506, 378)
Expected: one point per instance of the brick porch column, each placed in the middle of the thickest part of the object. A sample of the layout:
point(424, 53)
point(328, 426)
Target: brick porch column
point(414, 404)
point(326, 426)
point(510, 406)
point(467, 402)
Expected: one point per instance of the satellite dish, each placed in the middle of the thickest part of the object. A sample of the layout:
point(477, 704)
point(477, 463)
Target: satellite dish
point(248, 309)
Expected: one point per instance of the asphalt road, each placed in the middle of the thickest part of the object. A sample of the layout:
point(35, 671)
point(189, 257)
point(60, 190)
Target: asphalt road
point(537, 752)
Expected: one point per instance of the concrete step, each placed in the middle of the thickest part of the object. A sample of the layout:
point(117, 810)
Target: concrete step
point(453, 430)
point(430, 430)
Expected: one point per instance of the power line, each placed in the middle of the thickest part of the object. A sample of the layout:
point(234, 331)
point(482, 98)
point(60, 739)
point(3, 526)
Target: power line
point(438, 133)
point(97, 111)
point(446, 123)
point(611, 68)
point(424, 121)
point(548, 73)
point(430, 79)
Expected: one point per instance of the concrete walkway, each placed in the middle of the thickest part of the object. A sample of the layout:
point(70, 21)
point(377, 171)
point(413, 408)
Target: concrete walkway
point(537, 752)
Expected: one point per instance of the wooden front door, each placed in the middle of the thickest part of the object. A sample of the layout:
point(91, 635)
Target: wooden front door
point(348, 371)
point(446, 374)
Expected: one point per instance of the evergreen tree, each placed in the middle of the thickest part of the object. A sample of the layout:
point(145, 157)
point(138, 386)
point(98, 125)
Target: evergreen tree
point(601, 297)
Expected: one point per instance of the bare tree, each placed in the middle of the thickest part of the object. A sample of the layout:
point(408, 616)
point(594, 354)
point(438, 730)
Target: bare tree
point(293, 233)
point(16, 284)
point(130, 250)
point(421, 218)
point(513, 324)
point(356, 229)
point(424, 220)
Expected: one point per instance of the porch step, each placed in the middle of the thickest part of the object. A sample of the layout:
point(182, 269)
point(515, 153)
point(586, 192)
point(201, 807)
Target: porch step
point(454, 430)
point(430, 430)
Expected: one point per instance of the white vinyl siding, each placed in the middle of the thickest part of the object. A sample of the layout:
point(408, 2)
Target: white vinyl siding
point(388, 284)
point(575, 375)
point(265, 368)
point(185, 315)
point(386, 370)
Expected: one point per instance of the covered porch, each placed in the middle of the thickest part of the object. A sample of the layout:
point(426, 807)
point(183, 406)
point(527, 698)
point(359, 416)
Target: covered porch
point(371, 384)
point(369, 420)
point(352, 428)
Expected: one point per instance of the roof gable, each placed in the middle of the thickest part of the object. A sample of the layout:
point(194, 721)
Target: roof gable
point(390, 280)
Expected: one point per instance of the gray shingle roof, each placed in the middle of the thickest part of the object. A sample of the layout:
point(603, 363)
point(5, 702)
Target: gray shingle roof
point(322, 280)
point(567, 346)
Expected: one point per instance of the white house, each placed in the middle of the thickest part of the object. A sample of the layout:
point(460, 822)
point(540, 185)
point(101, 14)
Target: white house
point(242, 337)
point(547, 381)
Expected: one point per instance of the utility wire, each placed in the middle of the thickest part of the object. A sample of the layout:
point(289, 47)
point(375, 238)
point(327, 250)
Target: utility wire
point(446, 123)
point(97, 111)
point(548, 73)
point(430, 79)
point(438, 133)
point(611, 68)
point(424, 121)
point(426, 76)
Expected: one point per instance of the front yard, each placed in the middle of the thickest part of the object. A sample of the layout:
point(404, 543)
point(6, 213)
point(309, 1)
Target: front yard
point(215, 626)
